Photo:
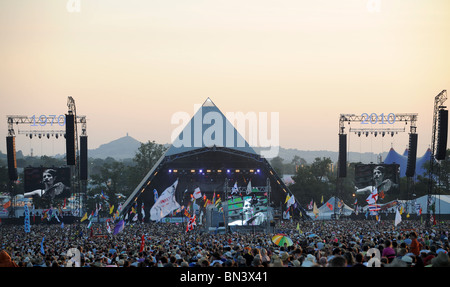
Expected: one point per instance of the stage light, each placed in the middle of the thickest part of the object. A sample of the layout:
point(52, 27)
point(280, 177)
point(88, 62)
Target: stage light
point(219, 170)
point(175, 170)
point(170, 171)
point(237, 170)
point(258, 170)
point(200, 171)
point(228, 171)
point(192, 170)
point(252, 170)
point(208, 170)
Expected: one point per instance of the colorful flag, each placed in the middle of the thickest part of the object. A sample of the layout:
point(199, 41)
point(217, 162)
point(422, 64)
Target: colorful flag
point(374, 207)
point(142, 243)
point(329, 205)
point(398, 217)
point(373, 197)
point(6, 205)
point(155, 195)
point(111, 209)
point(165, 204)
point(191, 223)
point(119, 227)
point(315, 210)
point(104, 196)
point(27, 219)
point(197, 193)
point(310, 205)
point(235, 189)
point(321, 200)
point(84, 217)
point(249, 187)
point(42, 246)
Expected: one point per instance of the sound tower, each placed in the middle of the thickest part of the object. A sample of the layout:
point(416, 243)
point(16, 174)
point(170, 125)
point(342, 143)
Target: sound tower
point(342, 168)
point(442, 135)
point(70, 139)
point(83, 158)
point(11, 154)
point(412, 152)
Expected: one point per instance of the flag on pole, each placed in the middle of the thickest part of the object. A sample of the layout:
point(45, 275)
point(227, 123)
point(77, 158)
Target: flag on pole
point(165, 204)
point(84, 217)
point(42, 246)
point(119, 227)
point(27, 219)
point(191, 223)
point(373, 197)
point(197, 193)
point(291, 201)
point(398, 217)
point(155, 195)
point(249, 187)
point(235, 189)
point(310, 205)
point(142, 243)
point(315, 210)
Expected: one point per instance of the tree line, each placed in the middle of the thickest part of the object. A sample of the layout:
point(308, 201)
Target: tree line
point(312, 181)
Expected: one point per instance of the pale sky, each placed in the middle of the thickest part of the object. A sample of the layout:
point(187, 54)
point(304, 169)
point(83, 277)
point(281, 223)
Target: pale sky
point(130, 65)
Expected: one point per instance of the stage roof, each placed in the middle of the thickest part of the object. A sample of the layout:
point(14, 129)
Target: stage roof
point(209, 120)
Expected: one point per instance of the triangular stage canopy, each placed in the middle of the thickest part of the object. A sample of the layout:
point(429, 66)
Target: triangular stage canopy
point(211, 155)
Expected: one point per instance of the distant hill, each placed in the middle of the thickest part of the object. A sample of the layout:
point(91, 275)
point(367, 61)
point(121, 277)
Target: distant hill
point(122, 148)
point(126, 148)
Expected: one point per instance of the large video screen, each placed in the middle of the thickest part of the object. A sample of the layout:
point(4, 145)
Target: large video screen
point(47, 183)
point(384, 177)
point(247, 210)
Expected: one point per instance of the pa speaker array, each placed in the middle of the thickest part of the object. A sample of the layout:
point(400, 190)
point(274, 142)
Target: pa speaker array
point(11, 154)
point(342, 168)
point(70, 139)
point(412, 153)
point(442, 135)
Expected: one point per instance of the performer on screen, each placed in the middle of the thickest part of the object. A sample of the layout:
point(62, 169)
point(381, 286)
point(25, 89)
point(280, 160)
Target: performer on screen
point(381, 184)
point(51, 188)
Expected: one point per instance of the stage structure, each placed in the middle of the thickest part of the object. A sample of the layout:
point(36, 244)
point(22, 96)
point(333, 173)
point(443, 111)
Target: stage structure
point(438, 147)
point(67, 124)
point(214, 170)
point(376, 124)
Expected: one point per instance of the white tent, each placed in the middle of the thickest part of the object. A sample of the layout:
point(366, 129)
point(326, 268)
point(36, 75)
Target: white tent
point(328, 209)
point(442, 203)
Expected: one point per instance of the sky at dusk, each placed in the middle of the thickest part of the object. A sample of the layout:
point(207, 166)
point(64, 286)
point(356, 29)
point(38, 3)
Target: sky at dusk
point(131, 65)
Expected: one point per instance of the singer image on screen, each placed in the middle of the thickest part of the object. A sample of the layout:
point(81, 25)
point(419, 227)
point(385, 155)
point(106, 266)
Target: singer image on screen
point(381, 184)
point(51, 188)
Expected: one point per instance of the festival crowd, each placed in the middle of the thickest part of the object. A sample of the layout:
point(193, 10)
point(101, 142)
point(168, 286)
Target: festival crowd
point(330, 243)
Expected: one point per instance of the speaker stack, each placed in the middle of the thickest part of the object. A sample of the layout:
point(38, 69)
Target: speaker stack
point(83, 158)
point(442, 135)
point(342, 167)
point(70, 139)
point(412, 153)
point(11, 154)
